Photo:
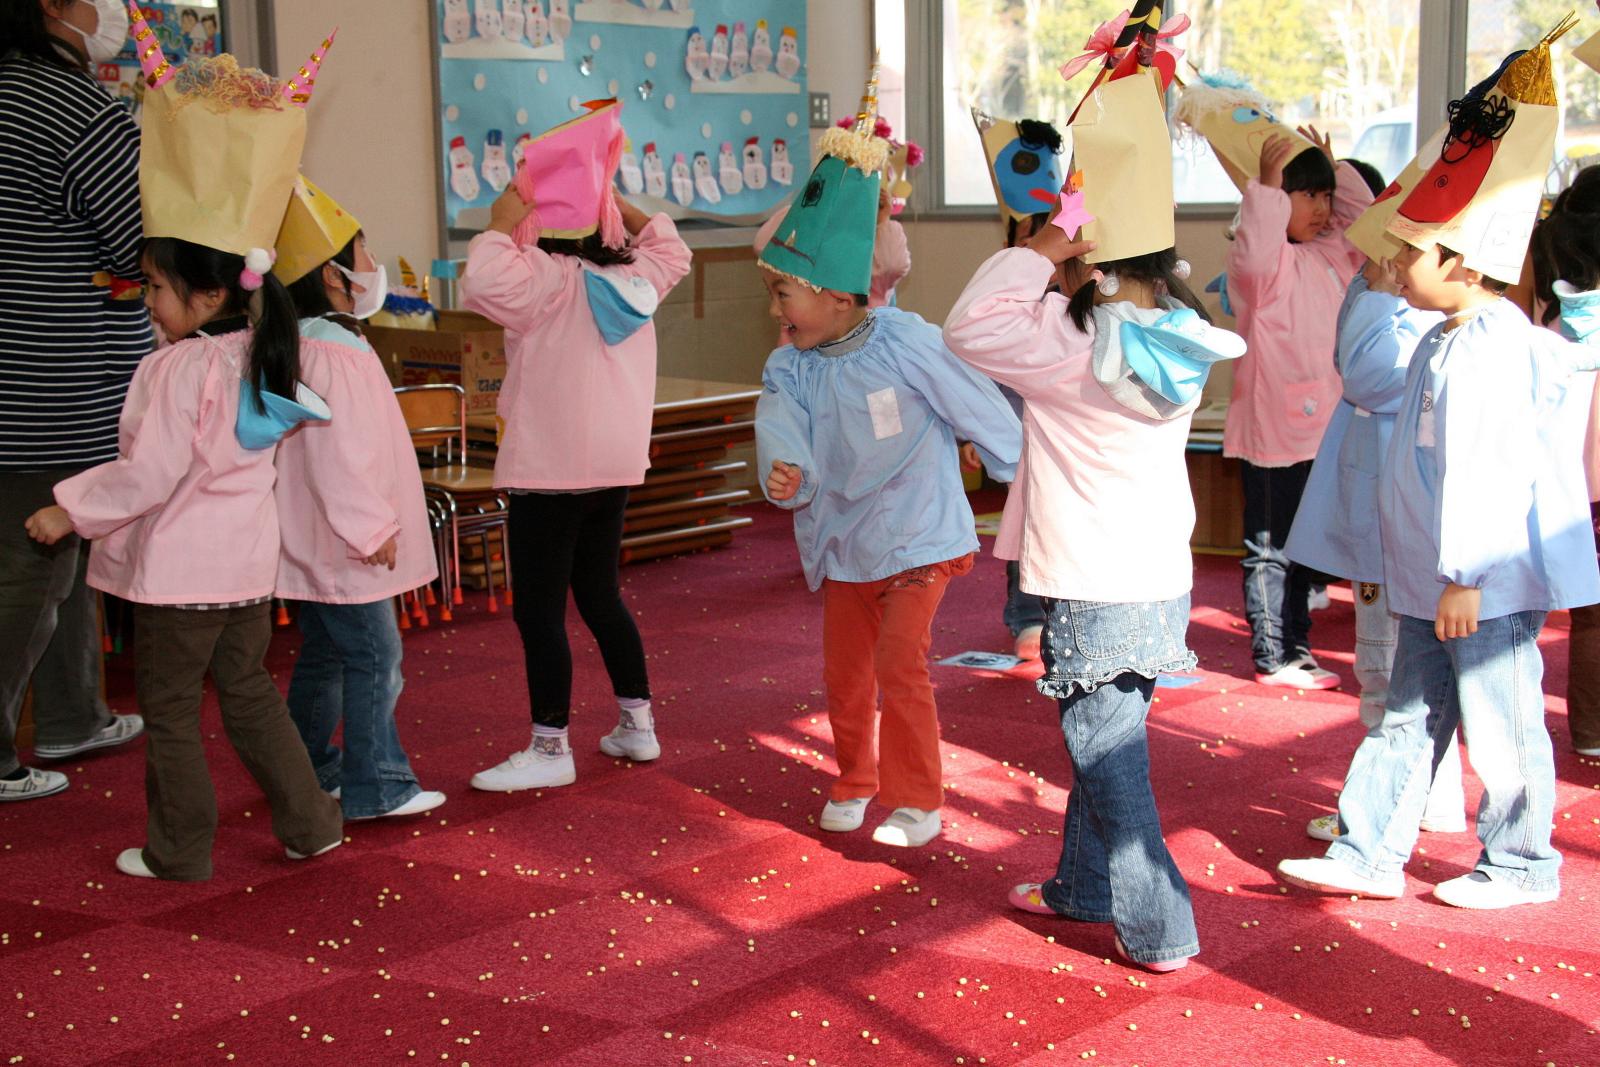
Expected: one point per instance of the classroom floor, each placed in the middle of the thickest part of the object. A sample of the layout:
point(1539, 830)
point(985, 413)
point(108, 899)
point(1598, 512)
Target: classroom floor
point(688, 911)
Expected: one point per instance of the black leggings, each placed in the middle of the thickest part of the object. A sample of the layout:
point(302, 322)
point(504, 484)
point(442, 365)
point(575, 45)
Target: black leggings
point(571, 541)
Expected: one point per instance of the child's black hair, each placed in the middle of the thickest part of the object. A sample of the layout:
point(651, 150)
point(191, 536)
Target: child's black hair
point(275, 331)
point(1038, 219)
point(1566, 244)
point(310, 295)
point(24, 28)
point(1309, 172)
point(860, 299)
point(1494, 285)
point(1369, 174)
point(1157, 268)
point(591, 248)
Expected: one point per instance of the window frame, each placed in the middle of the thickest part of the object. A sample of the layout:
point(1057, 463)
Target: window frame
point(1441, 77)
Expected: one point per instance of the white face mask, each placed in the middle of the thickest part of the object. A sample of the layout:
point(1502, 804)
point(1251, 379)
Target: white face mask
point(111, 30)
point(374, 288)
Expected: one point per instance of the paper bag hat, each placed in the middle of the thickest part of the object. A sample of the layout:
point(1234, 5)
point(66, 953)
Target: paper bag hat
point(1477, 189)
point(221, 146)
point(1236, 120)
point(314, 230)
point(1024, 164)
point(1121, 148)
point(826, 239)
point(567, 172)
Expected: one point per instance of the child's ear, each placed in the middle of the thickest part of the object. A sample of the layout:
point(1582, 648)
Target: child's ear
point(210, 300)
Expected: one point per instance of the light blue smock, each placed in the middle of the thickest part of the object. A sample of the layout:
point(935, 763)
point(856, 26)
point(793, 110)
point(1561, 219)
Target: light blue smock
point(874, 434)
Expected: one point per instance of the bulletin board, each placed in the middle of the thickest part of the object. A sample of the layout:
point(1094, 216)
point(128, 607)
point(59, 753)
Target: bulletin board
point(713, 97)
point(185, 29)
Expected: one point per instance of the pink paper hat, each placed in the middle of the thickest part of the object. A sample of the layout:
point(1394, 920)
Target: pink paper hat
point(297, 90)
point(152, 60)
point(566, 174)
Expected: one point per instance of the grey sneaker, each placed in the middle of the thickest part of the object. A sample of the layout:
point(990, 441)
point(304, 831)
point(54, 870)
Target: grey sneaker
point(121, 730)
point(35, 783)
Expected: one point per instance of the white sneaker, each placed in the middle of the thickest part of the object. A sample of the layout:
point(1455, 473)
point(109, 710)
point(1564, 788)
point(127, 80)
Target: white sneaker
point(1301, 673)
point(119, 731)
point(842, 816)
point(640, 746)
point(1477, 890)
point(528, 770)
point(325, 849)
point(131, 861)
point(1027, 645)
point(1330, 876)
point(426, 800)
point(34, 784)
point(1587, 751)
point(908, 828)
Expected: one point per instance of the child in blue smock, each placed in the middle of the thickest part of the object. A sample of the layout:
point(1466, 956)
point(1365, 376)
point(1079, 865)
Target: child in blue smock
point(857, 426)
point(1336, 529)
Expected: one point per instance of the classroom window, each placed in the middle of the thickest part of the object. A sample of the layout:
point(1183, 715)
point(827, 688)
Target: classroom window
point(1347, 66)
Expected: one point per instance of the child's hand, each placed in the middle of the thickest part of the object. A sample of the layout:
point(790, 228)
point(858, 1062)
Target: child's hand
point(969, 457)
point(385, 556)
point(1053, 244)
point(1381, 277)
point(784, 481)
point(1458, 612)
point(883, 204)
point(633, 220)
point(1321, 140)
point(508, 210)
point(48, 525)
point(1275, 155)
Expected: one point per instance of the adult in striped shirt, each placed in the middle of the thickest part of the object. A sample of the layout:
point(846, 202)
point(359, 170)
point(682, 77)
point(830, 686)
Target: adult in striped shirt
point(69, 234)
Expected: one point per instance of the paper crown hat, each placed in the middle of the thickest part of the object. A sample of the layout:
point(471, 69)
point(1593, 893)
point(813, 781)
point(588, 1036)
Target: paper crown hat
point(567, 172)
point(1476, 185)
point(221, 146)
point(1236, 120)
point(1121, 147)
point(1024, 164)
point(826, 238)
point(314, 230)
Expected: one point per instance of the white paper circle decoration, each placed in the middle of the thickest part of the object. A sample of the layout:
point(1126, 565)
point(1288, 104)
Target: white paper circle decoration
point(574, 104)
point(705, 130)
point(522, 116)
point(479, 81)
point(452, 113)
point(792, 119)
point(745, 116)
point(611, 87)
point(669, 102)
point(544, 75)
point(594, 42)
point(650, 60)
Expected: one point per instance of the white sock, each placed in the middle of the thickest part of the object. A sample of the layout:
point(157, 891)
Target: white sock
point(550, 740)
point(635, 714)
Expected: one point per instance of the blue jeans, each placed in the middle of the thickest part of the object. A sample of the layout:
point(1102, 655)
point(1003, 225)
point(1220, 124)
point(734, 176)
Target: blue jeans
point(349, 669)
point(1022, 609)
point(1490, 684)
point(1114, 864)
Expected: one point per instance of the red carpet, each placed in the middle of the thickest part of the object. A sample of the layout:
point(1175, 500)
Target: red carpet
point(688, 911)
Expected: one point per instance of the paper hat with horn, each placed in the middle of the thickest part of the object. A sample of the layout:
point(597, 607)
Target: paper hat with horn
point(567, 174)
point(826, 238)
point(1476, 186)
point(221, 146)
point(1236, 120)
point(314, 230)
point(1121, 147)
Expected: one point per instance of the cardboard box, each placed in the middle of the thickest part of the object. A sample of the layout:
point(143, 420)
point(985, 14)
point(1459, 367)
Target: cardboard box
point(467, 350)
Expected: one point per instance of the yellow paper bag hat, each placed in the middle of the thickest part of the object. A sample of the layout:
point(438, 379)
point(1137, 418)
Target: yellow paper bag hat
point(1121, 147)
point(1477, 189)
point(314, 230)
point(1236, 121)
point(220, 149)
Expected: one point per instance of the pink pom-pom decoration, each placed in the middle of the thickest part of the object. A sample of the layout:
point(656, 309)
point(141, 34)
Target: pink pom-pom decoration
point(914, 154)
point(249, 280)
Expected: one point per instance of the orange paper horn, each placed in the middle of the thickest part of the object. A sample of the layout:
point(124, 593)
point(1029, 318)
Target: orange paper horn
point(157, 71)
point(298, 88)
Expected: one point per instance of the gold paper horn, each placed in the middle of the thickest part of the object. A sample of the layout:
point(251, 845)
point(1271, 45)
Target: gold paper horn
point(157, 71)
point(867, 115)
point(298, 88)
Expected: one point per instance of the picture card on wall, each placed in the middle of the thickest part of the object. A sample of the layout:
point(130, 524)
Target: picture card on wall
point(674, 14)
point(749, 65)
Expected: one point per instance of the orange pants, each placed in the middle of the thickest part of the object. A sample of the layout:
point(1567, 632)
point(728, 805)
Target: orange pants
point(875, 637)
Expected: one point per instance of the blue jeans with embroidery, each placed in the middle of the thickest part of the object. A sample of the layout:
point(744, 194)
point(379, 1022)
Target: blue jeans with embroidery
point(1022, 609)
point(1101, 662)
point(349, 670)
point(1491, 685)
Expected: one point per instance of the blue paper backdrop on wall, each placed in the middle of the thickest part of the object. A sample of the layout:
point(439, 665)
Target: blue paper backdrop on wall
point(713, 96)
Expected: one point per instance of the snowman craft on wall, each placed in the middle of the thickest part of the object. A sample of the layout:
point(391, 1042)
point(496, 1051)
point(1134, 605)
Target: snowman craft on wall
point(505, 29)
point(728, 64)
point(782, 170)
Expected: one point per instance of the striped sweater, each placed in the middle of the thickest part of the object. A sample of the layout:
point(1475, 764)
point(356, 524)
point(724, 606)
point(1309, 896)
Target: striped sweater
point(69, 165)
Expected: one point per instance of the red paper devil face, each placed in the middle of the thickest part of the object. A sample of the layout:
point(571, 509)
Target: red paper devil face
point(1477, 127)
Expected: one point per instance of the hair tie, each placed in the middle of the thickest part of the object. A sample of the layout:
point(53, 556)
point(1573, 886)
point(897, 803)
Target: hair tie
point(1109, 285)
point(257, 262)
point(1181, 270)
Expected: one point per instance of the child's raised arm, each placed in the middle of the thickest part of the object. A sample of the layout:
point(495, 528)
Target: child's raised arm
point(659, 255)
point(1261, 251)
point(503, 283)
point(1005, 325)
point(891, 258)
point(783, 434)
point(1379, 334)
point(970, 404)
point(1351, 196)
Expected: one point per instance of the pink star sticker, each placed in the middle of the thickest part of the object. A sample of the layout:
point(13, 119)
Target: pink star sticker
point(1073, 216)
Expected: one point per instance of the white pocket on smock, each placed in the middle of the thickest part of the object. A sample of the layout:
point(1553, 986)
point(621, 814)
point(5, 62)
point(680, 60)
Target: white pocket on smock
point(885, 411)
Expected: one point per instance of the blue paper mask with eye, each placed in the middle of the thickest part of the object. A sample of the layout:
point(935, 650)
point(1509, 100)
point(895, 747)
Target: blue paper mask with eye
point(1029, 176)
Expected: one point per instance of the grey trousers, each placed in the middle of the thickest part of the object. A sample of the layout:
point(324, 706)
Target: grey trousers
point(49, 626)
